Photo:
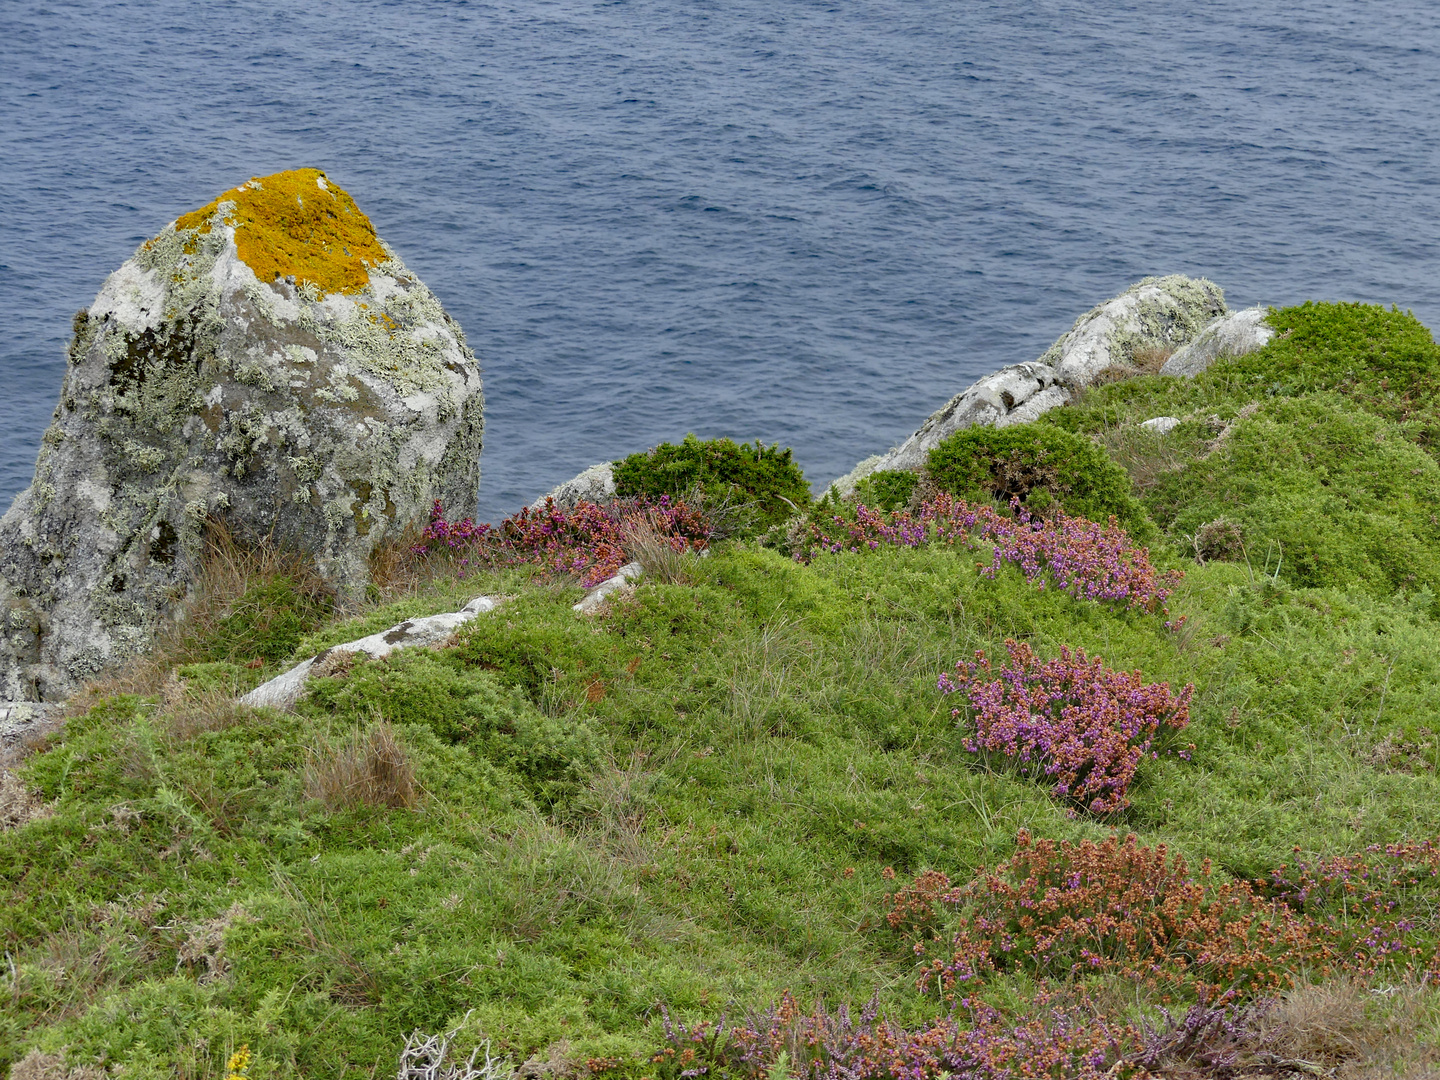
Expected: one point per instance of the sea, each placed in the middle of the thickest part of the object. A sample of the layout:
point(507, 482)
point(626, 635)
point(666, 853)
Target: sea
point(807, 222)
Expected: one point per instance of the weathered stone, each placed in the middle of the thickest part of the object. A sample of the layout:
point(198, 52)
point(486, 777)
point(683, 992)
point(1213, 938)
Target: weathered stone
point(1157, 313)
point(266, 361)
point(1161, 425)
point(595, 484)
point(597, 596)
point(285, 689)
point(21, 721)
point(1236, 334)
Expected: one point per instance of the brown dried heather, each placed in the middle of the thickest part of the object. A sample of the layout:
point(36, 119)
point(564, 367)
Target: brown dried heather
point(1060, 910)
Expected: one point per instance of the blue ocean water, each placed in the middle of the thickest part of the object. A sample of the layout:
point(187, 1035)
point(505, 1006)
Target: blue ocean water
point(800, 221)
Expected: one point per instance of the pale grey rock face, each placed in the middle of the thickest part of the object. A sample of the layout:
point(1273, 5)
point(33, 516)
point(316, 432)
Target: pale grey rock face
point(1157, 313)
point(1236, 334)
point(326, 422)
point(283, 691)
point(595, 484)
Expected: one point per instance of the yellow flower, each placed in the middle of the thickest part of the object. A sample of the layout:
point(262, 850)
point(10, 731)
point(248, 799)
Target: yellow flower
point(238, 1067)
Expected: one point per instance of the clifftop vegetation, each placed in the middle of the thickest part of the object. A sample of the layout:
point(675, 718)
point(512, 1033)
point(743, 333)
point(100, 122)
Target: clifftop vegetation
point(953, 781)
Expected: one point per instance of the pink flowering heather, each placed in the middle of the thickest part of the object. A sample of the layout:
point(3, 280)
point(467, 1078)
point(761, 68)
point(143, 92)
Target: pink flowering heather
point(1071, 719)
point(1078, 556)
point(588, 541)
point(1057, 1037)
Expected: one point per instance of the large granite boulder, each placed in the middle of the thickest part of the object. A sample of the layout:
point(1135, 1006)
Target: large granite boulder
point(1156, 314)
point(1236, 334)
point(266, 361)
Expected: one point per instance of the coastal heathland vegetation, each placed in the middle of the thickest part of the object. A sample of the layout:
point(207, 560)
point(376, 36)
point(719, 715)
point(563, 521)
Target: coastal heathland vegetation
point(954, 776)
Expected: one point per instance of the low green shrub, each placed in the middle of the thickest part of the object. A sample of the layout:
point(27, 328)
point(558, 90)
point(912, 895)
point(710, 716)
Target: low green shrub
point(1037, 464)
point(267, 621)
point(888, 489)
point(1320, 491)
point(1386, 357)
point(463, 705)
point(741, 473)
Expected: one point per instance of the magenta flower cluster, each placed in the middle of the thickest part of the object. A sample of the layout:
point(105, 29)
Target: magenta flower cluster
point(1070, 719)
point(1074, 554)
point(589, 540)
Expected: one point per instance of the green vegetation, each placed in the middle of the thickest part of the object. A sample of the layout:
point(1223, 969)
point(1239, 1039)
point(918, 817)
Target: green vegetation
point(1041, 466)
point(888, 489)
point(703, 796)
point(268, 620)
point(758, 478)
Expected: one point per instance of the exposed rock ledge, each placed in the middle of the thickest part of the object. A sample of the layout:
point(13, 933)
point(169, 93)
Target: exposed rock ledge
point(595, 484)
point(1236, 334)
point(283, 691)
point(1157, 313)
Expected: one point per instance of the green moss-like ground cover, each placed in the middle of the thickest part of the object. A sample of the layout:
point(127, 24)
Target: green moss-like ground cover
point(693, 798)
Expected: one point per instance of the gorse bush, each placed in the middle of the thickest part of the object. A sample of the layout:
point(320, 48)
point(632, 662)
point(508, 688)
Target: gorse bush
point(764, 478)
point(1335, 495)
point(1024, 460)
point(888, 489)
point(268, 620)
point(1069, 719)
point(462, 705)
point(1385, 358)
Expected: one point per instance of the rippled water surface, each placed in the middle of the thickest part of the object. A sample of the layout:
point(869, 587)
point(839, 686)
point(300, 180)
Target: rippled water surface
point(802, 222)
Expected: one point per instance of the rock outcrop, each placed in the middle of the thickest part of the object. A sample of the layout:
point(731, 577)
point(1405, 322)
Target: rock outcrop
point(1155, 314)
point(595, 484)
point(266, 361)
point(285, 689)
point(1236, 334)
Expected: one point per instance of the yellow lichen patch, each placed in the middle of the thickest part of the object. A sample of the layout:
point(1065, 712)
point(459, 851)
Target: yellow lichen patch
point(296, 224)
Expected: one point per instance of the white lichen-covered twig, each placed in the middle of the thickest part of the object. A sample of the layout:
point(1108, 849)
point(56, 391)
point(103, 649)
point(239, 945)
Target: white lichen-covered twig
point(429, 1057)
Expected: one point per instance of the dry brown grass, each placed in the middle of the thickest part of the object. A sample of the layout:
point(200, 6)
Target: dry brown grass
point(1144, 361)
point(1146, 456)
point(1361, 1033)
point(1150, 361)
point(1341, 1029)
point(364, 770)
point(18, 804)
point(230, 565)
point(396, 571)
point(38, 1065)
point(659, 555)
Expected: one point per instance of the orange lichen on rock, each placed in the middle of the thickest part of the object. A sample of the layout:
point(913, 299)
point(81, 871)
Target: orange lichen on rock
point(297, 224)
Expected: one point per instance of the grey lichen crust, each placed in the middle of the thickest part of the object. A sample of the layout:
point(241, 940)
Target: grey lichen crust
point(327, 423)
point(1157, 313)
